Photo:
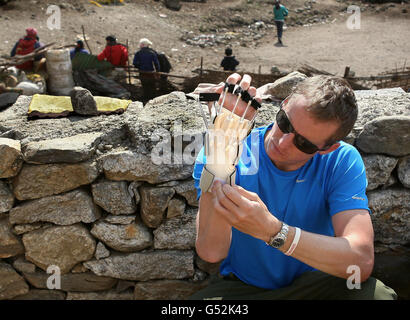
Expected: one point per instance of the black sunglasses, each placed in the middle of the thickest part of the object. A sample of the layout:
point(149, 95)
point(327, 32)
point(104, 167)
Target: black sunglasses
point(299, 141)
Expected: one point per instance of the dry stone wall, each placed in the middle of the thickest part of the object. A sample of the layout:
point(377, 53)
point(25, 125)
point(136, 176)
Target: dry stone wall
point(110, 199)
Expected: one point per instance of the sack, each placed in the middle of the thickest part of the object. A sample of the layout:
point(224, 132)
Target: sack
point(30, 88)
point(164, 64)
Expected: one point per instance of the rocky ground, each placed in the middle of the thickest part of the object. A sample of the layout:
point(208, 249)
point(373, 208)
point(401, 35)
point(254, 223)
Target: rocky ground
point(316, 32)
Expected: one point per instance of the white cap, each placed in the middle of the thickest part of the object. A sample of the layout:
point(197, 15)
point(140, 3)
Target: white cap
point(145, 42)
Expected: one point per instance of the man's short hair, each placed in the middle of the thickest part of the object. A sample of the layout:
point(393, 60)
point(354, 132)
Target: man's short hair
point(111, 38)
point(228, 51)
point(330, 98)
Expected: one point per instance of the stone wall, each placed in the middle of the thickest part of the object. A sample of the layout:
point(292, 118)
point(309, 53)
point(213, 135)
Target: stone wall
point(111, 202)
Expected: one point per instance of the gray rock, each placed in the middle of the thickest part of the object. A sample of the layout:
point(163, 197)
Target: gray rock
point(73, 149)
point(266, 114)
point(130, 166)
point(24, 228)
point(188, 191)
point(114, 127)
point(101, 251)
point(80, 282)
point(133, 190)
point(37, 294)
point(114, 219)
point(388, 135)
point(79, 268)
point(83, 102)
point(113, 197)
point(11, 157)
point(22, 265)
point(373, 104)
point(145, 266)
point(176, 207)
point(65, 209)
point(105, 295)
point(10, 245)
point(177, 233)
point(378, 169)
point(170, 130)
point(154, 202)
point(167, 289)
point(37, 181)
point(403, 171)
point(173, 4)
point(124, 238)
point(17, 110)
point(60, 246)
point(390, 215)
point(210, 268)
point(6, 198)
point(282, 87)
point(7, 99)
point(11, 284)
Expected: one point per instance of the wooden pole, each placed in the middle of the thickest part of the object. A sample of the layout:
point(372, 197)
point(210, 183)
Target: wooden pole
point(347, 70)
point(259, 74)
point(202, 63)
point(85, 39)
point(128, 64)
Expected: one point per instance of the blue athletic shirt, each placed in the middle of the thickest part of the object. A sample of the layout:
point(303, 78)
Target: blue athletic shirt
point(306, 198)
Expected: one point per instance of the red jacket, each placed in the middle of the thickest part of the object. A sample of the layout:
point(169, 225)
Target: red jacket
point(117, 55)
point(25, 46)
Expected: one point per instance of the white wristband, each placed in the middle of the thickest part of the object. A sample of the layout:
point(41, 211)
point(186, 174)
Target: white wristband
point(294, 242)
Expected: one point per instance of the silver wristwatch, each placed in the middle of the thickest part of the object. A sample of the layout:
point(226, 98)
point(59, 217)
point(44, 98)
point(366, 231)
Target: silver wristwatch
point(279, 239)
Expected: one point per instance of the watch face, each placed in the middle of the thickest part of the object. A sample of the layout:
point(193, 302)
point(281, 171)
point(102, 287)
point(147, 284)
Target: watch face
point(278, 243)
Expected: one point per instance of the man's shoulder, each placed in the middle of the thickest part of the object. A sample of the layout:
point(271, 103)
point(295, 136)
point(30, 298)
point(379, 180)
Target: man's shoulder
point(344, 157)
point(347, 148)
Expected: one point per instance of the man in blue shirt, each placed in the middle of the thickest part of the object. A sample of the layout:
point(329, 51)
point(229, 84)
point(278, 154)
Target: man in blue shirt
point(146, 60)
point(280, 12)
point(78, 48)
point(296, 223)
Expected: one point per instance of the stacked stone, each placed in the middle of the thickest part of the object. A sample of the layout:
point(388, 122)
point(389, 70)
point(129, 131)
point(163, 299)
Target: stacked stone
point(113, 204)
point(116, 225)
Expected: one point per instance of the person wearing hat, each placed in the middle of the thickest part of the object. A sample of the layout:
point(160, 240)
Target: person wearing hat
point(26, 45)
point(78, 48)
point(114, 52)
point(146, 60)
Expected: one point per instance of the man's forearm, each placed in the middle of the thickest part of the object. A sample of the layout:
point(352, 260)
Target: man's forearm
point(332, 255)
point(213, 232)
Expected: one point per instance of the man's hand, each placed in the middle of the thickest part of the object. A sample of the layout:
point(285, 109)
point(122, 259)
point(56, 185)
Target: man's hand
point(230, 100)
point(244, 210)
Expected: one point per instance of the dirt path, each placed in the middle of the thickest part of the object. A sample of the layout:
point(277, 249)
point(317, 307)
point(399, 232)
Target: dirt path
point(378, 46)
point(381, 43)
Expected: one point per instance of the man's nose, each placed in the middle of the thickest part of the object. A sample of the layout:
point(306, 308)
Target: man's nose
point(286, 140)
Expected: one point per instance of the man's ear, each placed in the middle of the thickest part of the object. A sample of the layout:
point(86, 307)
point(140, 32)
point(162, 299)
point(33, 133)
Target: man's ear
point(332, 148)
